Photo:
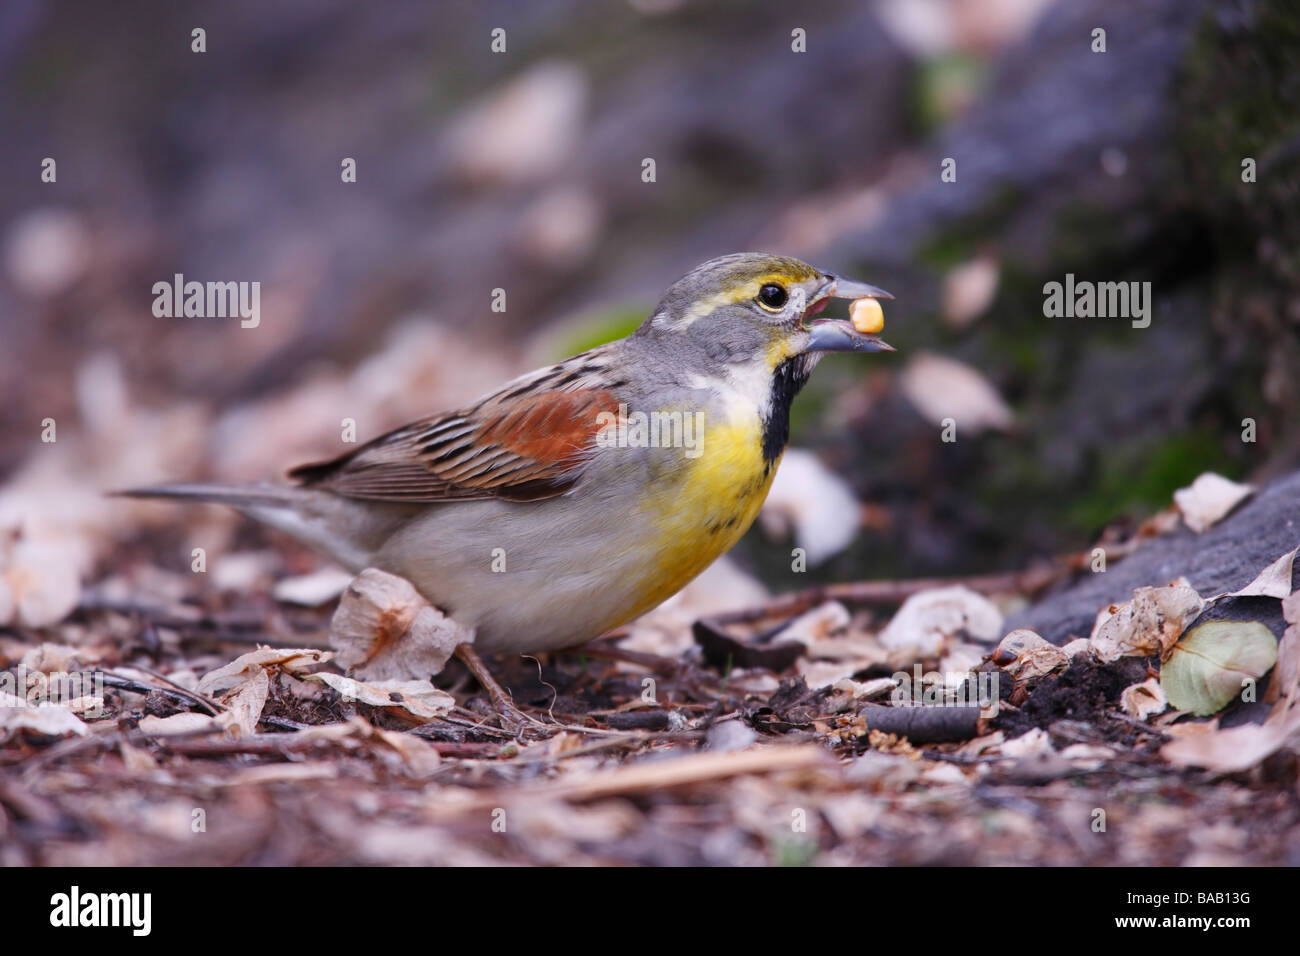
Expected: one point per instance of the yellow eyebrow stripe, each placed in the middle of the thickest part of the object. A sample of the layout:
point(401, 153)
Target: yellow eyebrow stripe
point(737, 291)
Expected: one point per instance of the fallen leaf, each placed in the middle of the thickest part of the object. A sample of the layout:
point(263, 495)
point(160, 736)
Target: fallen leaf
point(1273, 581)
point(418, 697)
point(1237, 748)
point(293, 661)
point(50, 719)
point(1028, 657)
point(385, 630)
point(968, 290)
point(1208, 499)
point(179, 725)
point(1205, 670)
point(312, 590)
point(244, 705)
point(1144, 699)
point(926, 622)
point(810, 500)
point(1285, 683)
point(1148, 624)
point(941, 388)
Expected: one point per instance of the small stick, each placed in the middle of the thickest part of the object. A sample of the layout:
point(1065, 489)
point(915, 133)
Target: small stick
point(505, 707)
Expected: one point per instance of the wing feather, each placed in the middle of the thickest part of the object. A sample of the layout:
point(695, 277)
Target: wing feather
point(528, 441)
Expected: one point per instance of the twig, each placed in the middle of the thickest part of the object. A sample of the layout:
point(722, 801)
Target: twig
point(1138, 725)
point(213, 707)
point(284, 744)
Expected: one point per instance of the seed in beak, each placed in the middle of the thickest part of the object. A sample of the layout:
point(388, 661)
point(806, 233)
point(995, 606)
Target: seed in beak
point(867, 315)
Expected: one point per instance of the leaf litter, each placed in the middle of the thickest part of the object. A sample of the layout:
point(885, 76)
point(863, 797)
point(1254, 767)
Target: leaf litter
point(283, 713)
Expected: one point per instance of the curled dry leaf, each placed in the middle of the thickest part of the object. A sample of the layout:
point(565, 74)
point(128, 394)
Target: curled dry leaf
point(817, 624)
point(418, 697)
point(50, 719)
point(1285, 684)
point(1237, 748)
point(385, 630)
point(1208, 499)
point(1144, 700)
point(1207, 669)
point(295, 661)
point(1032, 743)
point(1027, 657)
point(244, 705)
point(1273, 581)
point(1148, 624)
point(927, 621)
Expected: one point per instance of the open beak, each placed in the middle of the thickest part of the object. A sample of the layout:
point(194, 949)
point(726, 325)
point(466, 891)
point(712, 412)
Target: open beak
point(839, 335)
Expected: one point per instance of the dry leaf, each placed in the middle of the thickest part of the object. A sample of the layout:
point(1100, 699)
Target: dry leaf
point(809, 499)
point(291, 660)
point(385, 630)
point(51, 719)
point(1273, 581)
point(244, 705)
point(968, 291)
point(1148, 624)
point(1027, 657)
point(312, 590)
point(1208, 499)
point(928, 620)
point(1237, 748)
point(1144, 699)
point(179, 725)
point(418, 697)
point(942, 388)
point(1285, 683)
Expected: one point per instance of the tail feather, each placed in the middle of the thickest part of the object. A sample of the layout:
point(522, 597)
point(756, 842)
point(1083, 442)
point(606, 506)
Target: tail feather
point(236, 496)
point(320, 520)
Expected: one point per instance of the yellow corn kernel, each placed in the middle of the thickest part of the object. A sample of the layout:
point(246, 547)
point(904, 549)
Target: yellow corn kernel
point(867, 315)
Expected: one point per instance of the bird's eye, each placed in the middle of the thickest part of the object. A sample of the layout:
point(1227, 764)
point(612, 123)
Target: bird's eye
point(772, 296)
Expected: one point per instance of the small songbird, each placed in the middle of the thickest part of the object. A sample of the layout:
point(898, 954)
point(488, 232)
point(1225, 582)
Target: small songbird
point(576, 497)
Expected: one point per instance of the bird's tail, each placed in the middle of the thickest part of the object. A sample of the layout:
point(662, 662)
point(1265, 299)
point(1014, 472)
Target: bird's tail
point(317, 519)
point(241, 497)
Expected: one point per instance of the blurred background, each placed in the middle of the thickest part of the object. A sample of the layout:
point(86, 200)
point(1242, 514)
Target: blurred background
point(522, 170)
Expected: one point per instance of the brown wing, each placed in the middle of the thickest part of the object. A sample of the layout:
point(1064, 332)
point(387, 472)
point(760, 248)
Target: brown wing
point(527, 442)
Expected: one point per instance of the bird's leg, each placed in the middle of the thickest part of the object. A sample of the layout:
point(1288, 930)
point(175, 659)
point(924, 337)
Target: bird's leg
point(512, 718)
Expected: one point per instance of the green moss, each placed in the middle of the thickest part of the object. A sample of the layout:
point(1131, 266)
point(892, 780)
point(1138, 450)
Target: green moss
point(1138, 480)
point(964, 237)
point(604, 327)
point(943, 88)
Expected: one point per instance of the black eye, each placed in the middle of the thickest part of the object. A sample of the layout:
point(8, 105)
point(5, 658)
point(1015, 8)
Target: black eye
point(773, 296)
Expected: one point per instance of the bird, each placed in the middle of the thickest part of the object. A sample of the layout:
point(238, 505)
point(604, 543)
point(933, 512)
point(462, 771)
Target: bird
point(577, 497)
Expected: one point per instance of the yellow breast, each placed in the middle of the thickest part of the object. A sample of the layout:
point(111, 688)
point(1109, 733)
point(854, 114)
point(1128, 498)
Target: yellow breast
point(705, 508)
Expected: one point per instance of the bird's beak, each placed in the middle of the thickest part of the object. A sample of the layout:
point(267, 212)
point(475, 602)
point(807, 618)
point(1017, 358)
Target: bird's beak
point(839, 335)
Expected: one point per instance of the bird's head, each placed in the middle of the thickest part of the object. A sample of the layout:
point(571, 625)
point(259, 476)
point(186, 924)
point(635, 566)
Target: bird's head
point(756, 311)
